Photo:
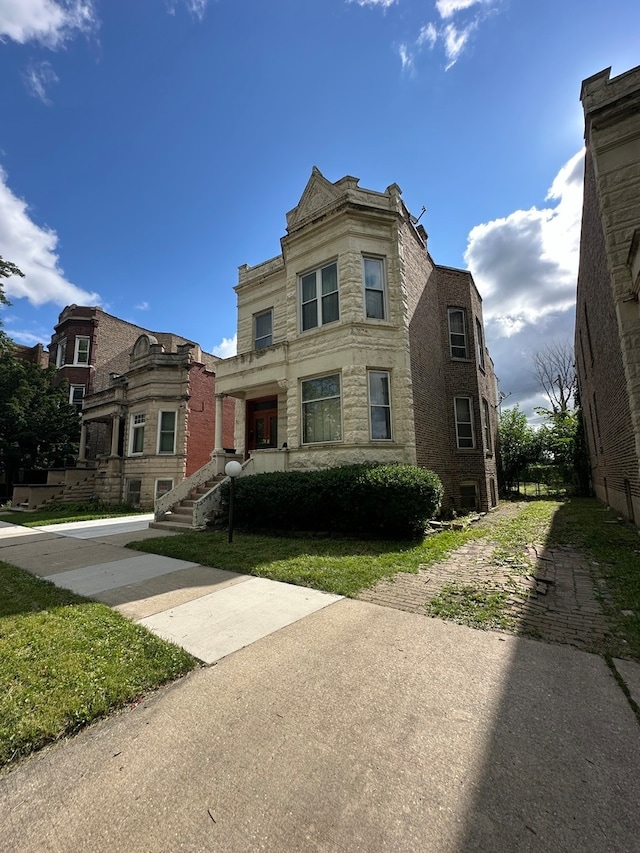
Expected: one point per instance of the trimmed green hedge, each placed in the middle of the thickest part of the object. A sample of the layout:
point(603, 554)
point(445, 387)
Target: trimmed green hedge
point(374, 500)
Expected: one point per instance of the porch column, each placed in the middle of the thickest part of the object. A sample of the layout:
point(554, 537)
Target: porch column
point(82, 451)
point(115, 434)
point(218, 436)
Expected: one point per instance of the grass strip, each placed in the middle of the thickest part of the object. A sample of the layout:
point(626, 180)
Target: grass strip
point(60, 513)
point(66, 661)
point(340, 566)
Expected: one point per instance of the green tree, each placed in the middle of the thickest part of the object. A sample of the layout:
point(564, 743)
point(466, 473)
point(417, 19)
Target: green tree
point(7, 269)
point(38, 427)
point(518, 447)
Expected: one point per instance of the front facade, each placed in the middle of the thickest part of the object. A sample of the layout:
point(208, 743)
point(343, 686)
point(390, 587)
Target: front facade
point(353, 346)
point(607, 341)
point(159, 420)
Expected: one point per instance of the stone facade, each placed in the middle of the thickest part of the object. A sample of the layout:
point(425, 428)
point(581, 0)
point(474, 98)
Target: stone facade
point(159, 419)
point(607, 337)
point(344, 347)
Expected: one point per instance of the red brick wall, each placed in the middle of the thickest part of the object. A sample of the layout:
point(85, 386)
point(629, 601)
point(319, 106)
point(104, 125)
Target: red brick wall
point(609, 428)
point(201, 418)
point(437, 378)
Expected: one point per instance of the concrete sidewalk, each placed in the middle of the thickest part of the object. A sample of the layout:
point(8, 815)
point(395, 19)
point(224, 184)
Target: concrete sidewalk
point(209, 612)
point(358, 729)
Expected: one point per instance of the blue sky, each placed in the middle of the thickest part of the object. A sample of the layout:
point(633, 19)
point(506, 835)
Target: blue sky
point(150, 147)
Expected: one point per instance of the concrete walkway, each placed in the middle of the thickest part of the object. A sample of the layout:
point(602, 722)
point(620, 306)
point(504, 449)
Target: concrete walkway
point(358, 729)
point(209, 612)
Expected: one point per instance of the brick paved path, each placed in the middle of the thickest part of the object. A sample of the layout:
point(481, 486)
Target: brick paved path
point(550, 592)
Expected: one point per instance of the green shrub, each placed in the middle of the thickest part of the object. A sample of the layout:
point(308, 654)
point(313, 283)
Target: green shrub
point(373, 500)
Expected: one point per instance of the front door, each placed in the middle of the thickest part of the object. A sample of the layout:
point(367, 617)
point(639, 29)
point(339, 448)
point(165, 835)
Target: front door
point(262, 423)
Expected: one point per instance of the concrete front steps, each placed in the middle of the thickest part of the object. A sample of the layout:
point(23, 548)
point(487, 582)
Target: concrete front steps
point(180, 518)
point(34, 497)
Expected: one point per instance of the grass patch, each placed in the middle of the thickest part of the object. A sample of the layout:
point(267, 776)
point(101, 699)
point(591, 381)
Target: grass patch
point(473, 606)
point(66, 660)
point(340, 566)
point(59, 513)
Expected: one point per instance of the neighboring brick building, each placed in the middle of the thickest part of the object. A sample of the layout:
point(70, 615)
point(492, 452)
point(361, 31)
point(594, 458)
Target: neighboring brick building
point(354, 346)
point(607, 339)
point(147, 401)
point(159, 417)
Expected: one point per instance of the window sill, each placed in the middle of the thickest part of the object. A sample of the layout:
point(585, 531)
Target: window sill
point(461, 360)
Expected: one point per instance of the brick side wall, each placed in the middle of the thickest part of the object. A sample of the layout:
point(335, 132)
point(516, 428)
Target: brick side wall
point(601, 375)
point(201, 418)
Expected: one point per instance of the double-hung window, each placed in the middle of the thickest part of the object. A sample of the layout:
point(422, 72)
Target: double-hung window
point(263, 329)
point(167, 432)
point(76, 396)
point(319, 297)
point(137, 435)
point(321, 411)
point(81, 351)
point(464, 423)
point(486, 425)
point(379, 404)
point(374, 296)
point(480, 343)
point(457, 333)
point(61, 352)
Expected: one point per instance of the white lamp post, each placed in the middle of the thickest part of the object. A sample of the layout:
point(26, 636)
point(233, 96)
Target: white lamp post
point(232, 470)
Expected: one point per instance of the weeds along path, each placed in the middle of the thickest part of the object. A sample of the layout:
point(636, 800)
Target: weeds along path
point(509, 580)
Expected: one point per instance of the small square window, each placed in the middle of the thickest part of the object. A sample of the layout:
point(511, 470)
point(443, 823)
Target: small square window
point(162, 487)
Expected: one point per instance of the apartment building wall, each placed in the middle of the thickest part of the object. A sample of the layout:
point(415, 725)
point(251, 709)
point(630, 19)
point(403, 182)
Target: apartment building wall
point(607, 338)
point(344, 224)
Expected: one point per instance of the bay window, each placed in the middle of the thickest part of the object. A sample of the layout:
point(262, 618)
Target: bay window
point(321, 409)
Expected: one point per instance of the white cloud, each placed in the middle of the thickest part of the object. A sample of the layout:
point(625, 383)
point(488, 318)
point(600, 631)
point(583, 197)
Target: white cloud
point(384, 4)
point(197, 8)
point(455, 40)
point(38, 78)
point(50, 22)
point(33, 249)
point(227, 347)
point(406, 57)
point(448, 8)
point(428, 35)
point(525, 266)
point(143, 306)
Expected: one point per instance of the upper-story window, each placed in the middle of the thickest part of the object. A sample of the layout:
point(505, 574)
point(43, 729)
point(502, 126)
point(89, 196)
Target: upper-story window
point(136, 445)
point(167, 432)
point(464, 423)
point(263, 329)
point(319, 297)
point(458, 333)
point(61, 353)
point(81, 351)
point(374, 289)
point(480, 343)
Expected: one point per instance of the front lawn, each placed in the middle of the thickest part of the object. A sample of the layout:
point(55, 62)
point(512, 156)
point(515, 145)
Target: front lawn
point(340, 566)
point(61, 512)
point(65, 661)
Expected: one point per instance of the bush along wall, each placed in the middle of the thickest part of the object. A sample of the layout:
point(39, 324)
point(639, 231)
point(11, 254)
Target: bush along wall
point(392, 501)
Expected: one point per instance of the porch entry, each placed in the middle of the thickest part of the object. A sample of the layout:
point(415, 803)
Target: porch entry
point(262, 423)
